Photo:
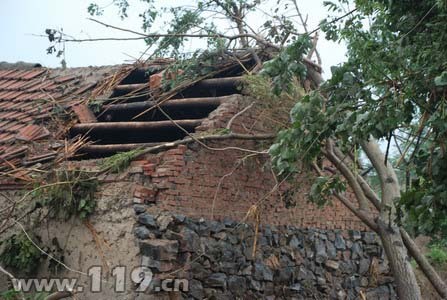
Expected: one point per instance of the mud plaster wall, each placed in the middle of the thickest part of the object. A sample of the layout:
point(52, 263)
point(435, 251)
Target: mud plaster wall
point(115, 244)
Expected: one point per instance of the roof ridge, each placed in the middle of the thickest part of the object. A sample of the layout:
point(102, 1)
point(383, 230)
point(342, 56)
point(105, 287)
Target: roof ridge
point(20, 65)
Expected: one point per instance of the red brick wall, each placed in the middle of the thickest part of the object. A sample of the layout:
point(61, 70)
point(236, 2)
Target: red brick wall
point(190, 182)
point(200, 182)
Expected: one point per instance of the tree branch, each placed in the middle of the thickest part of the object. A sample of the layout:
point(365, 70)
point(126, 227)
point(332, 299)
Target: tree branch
point(10, 276)
point(346, 172)
point(314, 40)
point(386, 173)
point(59, 295)
point(367, 190)
point(237, 115)
point(423, 263)
point(364, 217)
point(142, 36)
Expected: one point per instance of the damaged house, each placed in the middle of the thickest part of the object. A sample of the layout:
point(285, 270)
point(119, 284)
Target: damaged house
point(184, 188)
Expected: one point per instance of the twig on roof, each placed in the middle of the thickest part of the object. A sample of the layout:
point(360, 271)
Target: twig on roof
point(237, 115)
point(198, 140)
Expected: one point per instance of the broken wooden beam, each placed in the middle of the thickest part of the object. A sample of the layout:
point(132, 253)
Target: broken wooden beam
point(39, 158)
point(174, 103)
point(127, 88)
point(84, 113)
point(157, 147)
point(158, 125)
point(225, 82)
point(114, 148)
point(214, 83)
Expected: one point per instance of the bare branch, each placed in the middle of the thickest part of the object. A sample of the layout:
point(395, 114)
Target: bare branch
point(367, 190)
point(350, 177)
point(12, 279)
point(425, 266)
point(362, 215)
point(117, 28)
point(59, 295)
point(142, 36)
point(238, 114)
point(314, 40)
point(335, 20)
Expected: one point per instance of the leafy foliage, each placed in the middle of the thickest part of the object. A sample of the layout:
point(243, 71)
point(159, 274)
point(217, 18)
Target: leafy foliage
point(437, 254)
point(120, 161)
point(395, 79)
point(288, 65)
point(69, 193)
point(20, 254)
point(15, 295)
point(302, 140)
point(393, 83)
point(323, 188)
point(190, 68)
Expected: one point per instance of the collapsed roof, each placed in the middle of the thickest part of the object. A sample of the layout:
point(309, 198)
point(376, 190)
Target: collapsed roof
point(116, 108)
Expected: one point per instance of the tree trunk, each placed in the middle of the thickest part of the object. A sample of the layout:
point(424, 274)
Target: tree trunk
point(404, 277)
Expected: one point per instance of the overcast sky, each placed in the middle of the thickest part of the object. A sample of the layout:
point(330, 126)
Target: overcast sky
point(21, 20)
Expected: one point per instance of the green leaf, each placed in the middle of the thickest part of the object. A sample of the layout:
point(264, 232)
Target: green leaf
point(441, 80)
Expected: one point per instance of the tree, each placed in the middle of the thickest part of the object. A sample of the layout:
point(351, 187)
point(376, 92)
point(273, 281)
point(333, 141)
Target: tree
point(222, 23)
point(393, 82)
point(393, 86)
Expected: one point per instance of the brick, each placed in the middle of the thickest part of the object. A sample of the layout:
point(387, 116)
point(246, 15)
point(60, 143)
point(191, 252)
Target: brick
point(155, 80)
point(84, 114)
point(187, 184)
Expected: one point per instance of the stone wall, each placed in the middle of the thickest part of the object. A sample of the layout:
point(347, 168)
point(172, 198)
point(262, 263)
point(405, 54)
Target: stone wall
point(289, 263)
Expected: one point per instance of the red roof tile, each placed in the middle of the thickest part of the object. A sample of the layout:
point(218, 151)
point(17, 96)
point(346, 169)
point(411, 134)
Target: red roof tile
point(32, 133)
point(5, 73)
point(65, 78)
point(27, 99)
point(31, 83)
point(33, 73)
point(8, 83)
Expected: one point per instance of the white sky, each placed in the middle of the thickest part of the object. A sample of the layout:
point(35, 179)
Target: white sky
point(20, 19)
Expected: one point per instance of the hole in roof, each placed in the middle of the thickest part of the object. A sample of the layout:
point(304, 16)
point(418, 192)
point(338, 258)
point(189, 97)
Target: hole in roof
point(117, 130)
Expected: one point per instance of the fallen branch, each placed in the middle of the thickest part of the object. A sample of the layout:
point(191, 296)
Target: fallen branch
point(189, 140)
point(425, 266)
point(59, 295)
point(12, 279)
point(361, 214)
point(238, 114)
point(204, 145)
point(146, 126)
point(200, 139)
